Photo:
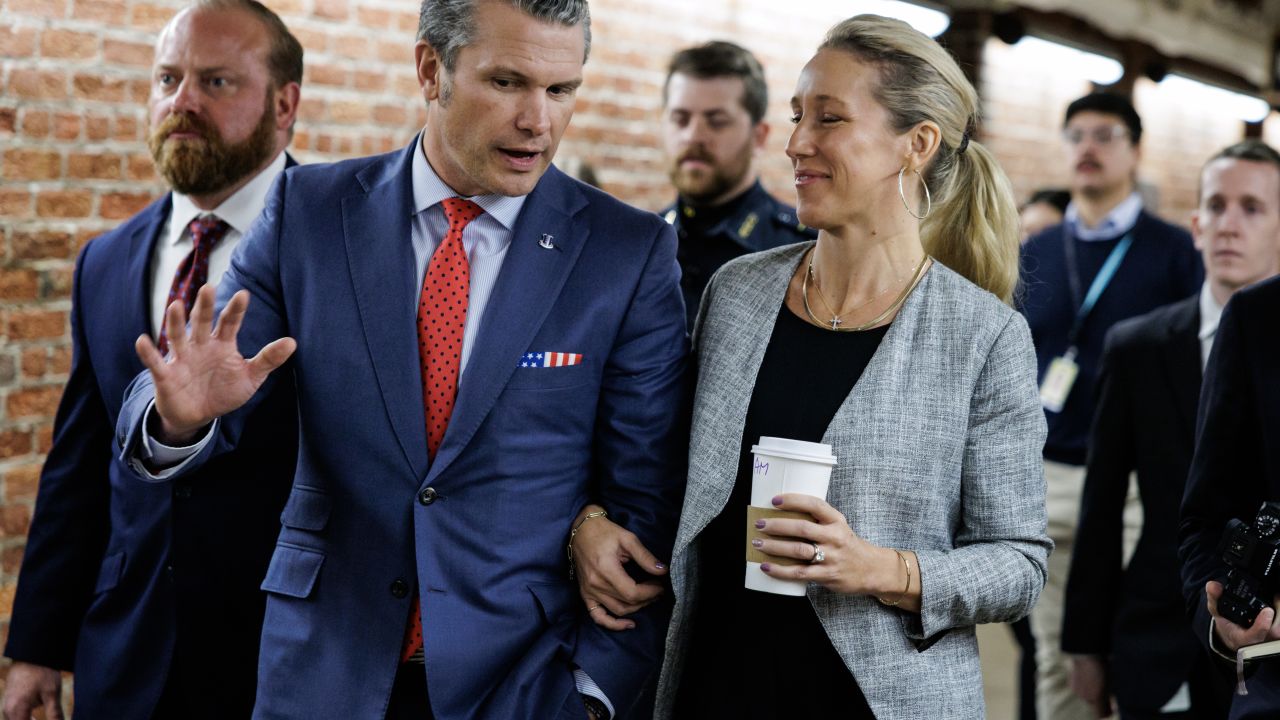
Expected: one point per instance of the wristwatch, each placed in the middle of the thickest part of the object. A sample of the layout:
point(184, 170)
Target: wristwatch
point(595, 707)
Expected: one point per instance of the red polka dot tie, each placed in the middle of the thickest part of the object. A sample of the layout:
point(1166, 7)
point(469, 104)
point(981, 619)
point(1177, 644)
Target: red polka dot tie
point(442, 317)
point(193, 273)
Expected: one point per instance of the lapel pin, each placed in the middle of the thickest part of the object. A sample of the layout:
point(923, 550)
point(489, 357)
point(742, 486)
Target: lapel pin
point(547, 242)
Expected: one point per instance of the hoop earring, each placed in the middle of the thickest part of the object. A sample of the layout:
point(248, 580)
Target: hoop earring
point(902, 194)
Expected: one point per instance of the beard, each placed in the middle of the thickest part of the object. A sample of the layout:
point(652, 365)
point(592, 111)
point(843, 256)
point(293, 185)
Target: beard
point(209, 164)
point(704, 185)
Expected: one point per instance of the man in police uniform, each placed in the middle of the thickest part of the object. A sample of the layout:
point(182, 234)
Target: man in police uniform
point(713, 130)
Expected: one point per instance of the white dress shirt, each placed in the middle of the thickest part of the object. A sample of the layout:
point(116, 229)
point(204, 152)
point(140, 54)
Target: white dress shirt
point(1120, 220)
point(1210, 314)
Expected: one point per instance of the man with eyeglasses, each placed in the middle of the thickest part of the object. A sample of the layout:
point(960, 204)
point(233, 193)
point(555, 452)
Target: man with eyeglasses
point(1108, 260)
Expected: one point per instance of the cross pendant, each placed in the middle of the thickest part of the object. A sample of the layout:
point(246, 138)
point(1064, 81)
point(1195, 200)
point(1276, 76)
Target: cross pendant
point(835, 322)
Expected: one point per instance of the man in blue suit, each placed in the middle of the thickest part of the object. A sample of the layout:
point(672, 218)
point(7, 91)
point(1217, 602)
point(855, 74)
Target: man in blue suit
point(480, 346)
point(149, 593)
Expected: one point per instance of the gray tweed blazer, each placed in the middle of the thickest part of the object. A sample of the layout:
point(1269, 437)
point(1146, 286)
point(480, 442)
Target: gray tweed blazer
point(938, 449)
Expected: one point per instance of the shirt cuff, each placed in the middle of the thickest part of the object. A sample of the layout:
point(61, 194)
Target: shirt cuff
point(587, 686)
point(1213, 645)
point(164, 461)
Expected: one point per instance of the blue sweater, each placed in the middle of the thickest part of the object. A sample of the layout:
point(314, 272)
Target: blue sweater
point(1161, 267)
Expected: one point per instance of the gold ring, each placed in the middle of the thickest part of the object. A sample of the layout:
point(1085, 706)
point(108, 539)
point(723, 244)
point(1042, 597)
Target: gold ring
point(593, 608)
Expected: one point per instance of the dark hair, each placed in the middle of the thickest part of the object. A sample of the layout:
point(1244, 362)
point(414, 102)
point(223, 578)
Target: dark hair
point(720, 58)
point(284, 56)
point(1108, 104)
point(1056, 197)
point(1251, 150)
point(449, 25)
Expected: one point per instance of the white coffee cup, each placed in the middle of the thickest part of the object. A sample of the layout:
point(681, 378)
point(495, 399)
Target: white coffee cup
point(782, 466)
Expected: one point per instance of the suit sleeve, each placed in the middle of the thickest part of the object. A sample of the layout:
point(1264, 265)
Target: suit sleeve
point(254, 267)
point(997, 568)
point(1226, 479)
point(639, 461)
point(71, 522)
point(1097, 562)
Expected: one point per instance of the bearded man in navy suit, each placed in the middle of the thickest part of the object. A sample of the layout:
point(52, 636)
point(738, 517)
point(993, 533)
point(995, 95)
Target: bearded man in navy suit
point(149, 593)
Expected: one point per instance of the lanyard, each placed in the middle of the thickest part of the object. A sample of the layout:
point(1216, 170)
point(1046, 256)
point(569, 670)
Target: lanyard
point(1096, 288)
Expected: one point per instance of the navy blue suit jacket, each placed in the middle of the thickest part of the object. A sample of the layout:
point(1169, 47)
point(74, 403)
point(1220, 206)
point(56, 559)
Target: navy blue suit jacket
point(133, 585)
point(330, 263)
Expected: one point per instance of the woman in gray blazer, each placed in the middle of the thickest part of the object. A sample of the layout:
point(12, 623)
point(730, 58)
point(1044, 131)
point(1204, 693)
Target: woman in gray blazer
point(889, 339)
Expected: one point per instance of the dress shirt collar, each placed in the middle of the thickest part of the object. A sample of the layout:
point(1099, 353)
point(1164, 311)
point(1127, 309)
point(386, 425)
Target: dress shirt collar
point(239, 211)
point(1119, 221)
point(1210, 313)
point(429, 190)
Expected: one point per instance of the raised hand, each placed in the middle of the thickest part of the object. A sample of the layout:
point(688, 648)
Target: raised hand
point(1234, 636)
point(205, 376)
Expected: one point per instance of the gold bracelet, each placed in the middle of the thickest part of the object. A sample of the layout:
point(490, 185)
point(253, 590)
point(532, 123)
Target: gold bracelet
point(574, 533)
point(907, 566)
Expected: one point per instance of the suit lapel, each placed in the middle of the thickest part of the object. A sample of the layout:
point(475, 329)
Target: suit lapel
point(377, 233)
point(527, 286)
point(1182, 362)
point(137, 291)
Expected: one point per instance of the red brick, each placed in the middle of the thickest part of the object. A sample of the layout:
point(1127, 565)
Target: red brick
point(14, 521)
point(36, 325)
point(331, 9)
point(66, 126)
point(370, 82)
point(150, 17)
point(375, 18)
point(102, 88)
point(285, 8)
point(19, 284)
point(8, 120)
point(312, 40)
point(38, 84)
point(97, 127)
point(140, 167)
point(83, 235)
point(133, 54)
point(33, 402)
point(60, 360)
point(34, 362)
point(350, 46)
point(11, 559)
point(321, 74)
point(44, 438)
point(64, 203)
point(40, 8)
point(104, 11)
point(68, 44)
point(313, 111)
point(93, 166)
point(348, 112)
point(32, 165)
point(15, 203)
point(407, 22)
point(394, 52)
point(35, 124)
point(390, 115)
point(14, 442)
point(126, 129)
point(17, 42)
point(41, 245)
point(118, 206)
point(301, 140)
point(139, 91)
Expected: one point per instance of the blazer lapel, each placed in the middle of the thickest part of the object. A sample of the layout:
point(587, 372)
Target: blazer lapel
point(1182, 362)
point(527, 286)
point(376, 230)
point(137, 291)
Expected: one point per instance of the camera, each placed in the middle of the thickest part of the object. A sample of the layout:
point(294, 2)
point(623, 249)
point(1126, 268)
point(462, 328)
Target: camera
point(1253, 555)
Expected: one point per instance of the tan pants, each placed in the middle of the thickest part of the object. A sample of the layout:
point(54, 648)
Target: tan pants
point(1054, 699)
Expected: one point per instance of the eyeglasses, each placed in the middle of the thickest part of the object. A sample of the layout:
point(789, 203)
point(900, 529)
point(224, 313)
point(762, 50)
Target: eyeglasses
point(1102, 135)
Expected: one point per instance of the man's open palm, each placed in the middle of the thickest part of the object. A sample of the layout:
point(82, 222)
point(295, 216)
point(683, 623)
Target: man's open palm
point(205, 376)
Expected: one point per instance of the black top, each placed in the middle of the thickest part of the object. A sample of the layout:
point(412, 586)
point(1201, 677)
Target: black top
point(756, 654)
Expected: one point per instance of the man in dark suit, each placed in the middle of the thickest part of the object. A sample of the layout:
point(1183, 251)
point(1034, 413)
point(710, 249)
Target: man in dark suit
point(1236, 468)
point(1126, 626)
point(714, 129)
point(481, 346)
point(149, 593)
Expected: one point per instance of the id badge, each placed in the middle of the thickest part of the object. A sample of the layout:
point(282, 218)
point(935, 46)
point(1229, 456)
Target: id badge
point(1058, 381)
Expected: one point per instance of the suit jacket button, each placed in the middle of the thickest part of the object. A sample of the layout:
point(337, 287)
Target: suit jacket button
point(399, 589)
point(427, 496)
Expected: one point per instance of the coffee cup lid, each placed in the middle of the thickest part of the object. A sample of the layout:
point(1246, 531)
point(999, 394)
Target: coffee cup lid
point(795, 449)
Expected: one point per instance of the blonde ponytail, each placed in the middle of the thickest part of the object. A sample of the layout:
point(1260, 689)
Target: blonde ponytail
point(973, 227)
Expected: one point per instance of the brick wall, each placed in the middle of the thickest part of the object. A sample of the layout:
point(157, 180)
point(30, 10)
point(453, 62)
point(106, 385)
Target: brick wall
point(73, 87)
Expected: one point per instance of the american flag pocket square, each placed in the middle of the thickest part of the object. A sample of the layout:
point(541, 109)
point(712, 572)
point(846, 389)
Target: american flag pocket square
point(549, 359)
